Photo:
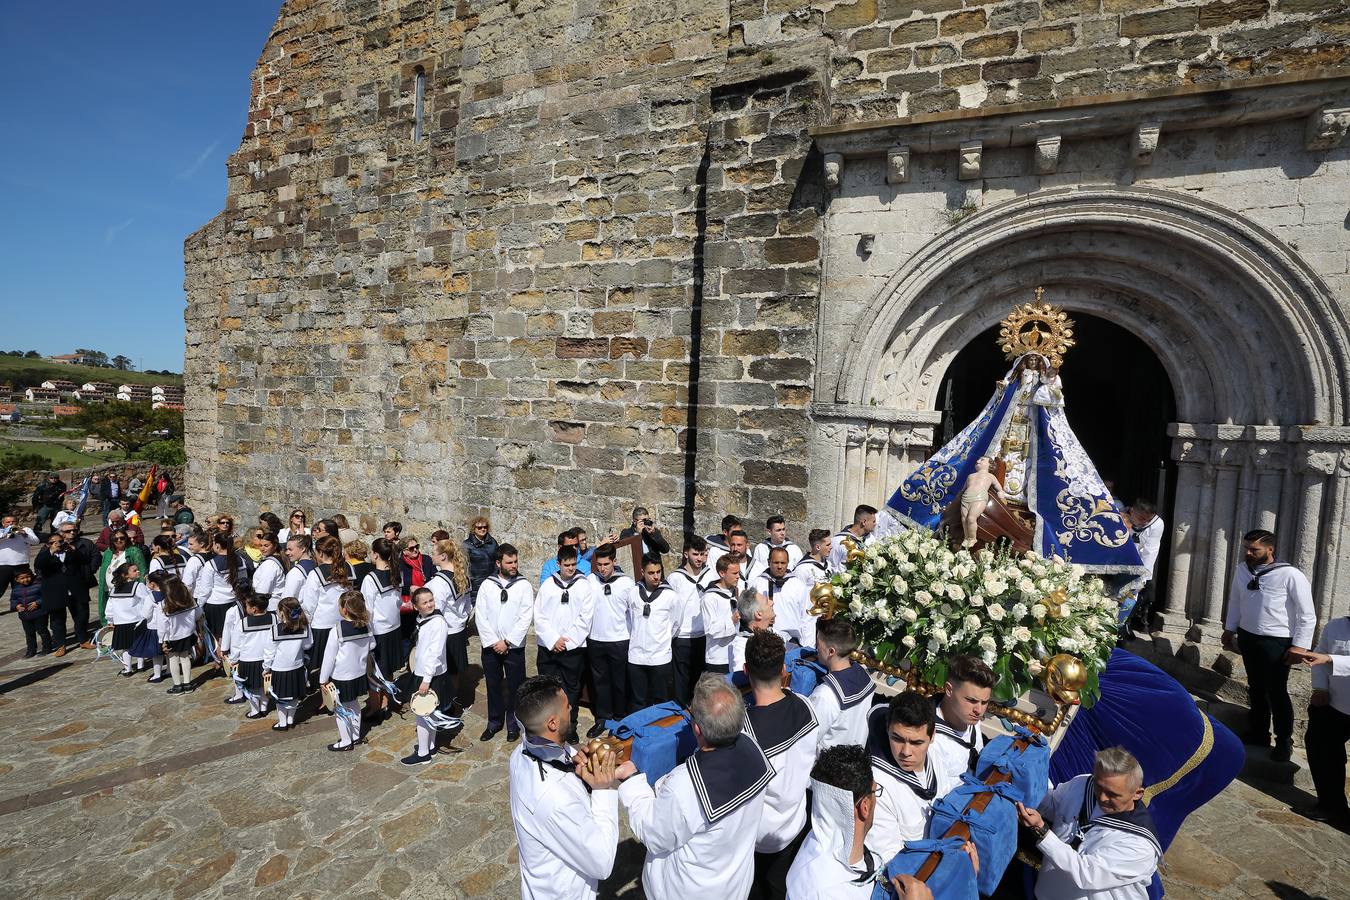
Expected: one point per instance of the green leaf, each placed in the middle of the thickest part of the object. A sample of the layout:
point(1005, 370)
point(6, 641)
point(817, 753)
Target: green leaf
point(1092, 689)
point(1006, 689)
point(884, 650)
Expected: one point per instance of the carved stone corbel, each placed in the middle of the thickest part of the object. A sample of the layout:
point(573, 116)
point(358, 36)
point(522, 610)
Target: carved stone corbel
point(1145, 142)
point(834, 170)
point(1327, 128)
point(971, 158)
point(897, 165)
point(1046, 157)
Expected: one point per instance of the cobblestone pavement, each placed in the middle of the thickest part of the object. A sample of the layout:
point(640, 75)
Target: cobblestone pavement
point(111, 788)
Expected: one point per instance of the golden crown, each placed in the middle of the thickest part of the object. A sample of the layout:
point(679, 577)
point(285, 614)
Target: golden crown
point(1037, 327)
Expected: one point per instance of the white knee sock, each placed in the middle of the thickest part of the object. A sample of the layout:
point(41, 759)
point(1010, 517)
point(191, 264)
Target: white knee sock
point(290, 708)
point(126, 661)
point(238, 689)
point(425, 737)
point(255, 704)
point(159, 667)
point(281, 714)
point(180, 667)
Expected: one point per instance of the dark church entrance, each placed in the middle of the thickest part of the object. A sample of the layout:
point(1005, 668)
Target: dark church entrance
point(1117, 396)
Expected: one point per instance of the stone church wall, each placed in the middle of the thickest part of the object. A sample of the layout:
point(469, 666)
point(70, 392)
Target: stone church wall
point(596, 279)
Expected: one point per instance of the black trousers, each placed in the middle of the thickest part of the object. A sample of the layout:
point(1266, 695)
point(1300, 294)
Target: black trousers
point(648, 685)
point(687, 662)
point(1267, 684)
point(567, 667)
point(1328, 730)
point(503, 669)
point(609, 678)
point(32, 630)
point(79, 615)
point(771, 870)
point(1142, 614)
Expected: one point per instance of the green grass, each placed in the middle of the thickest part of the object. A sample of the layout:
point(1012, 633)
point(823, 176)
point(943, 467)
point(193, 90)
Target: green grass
point(23, 373)
point(61, 456)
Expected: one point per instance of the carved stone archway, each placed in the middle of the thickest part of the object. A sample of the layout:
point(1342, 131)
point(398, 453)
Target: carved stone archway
point(1251, 338)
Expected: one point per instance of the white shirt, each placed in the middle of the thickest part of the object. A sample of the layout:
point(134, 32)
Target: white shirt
point(789, 605)
point(230, 632)
point(1149, 542)
point(504, 620)
point(1335, 676)
point(295, 580)
point(1281, 607)
point(286, 652)
point(649, 641)
point(64, 517)
point(690, 592)
point(252, 639)
point(172, 567)
point(786, 732)
point(609, 622)
point(125, 608)
point(947, 750)
point(177, 626)
point(268, 579)
point(429, 653)
point(838, 553)
point(717, 549)
point(554, 619)
point(319, 597)
point(568, 837)
point(689, 858)
point(1109, 864)
point(842, 711)
point(759, 556)
point(345, 659)
point(901, 814)
point(816, 875)
point(455, 606)
point(383, 601)
point(196, 578)
point(719, 627)
point(14, 547)
point(218, 576)
point(812, 571)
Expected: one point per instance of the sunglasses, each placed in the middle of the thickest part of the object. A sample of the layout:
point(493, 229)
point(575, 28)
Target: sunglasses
point(410, 548)
point(480, 528)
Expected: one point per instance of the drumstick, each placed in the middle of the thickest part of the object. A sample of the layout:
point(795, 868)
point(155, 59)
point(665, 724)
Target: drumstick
point(977, 804)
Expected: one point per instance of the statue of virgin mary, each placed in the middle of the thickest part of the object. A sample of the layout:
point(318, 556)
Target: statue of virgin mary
point(1050, 487)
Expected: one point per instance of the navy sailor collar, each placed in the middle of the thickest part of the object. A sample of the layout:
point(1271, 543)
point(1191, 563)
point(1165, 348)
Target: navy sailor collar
point(692, 579)
point(726, 778)
point(565, 585)
point(279, 635)
point(1137, 821)
point(504, 585)
point(258, 623)
point(923, 785)
point(325, 572)
point(422, 620)
point(649, 596)
point(776, 727)
point(851, 686)
point(306, 565)
point(348, 631)
point(126, 590)
point(809, 561)
point(717, 541)
point(384, 580)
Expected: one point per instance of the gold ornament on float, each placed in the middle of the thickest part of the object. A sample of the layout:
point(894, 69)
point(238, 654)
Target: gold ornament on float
point(1038, 328)
point(823, 600)
point(1064, 677)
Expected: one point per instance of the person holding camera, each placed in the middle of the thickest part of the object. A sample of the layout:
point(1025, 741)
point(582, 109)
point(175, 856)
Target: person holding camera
point(66, 579)
point(652, 541)
point(14, 544)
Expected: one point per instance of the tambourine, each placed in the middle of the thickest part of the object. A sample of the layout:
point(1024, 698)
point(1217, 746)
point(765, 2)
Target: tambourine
point(330, 695)
point(267, 684)
point(104, 638)
point(424, 704)
point(228, 666)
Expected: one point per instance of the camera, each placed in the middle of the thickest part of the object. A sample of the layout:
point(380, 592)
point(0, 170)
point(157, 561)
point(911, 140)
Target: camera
point(647, 523)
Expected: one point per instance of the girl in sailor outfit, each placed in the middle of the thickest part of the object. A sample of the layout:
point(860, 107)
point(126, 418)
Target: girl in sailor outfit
point(284, 658)
point(177, 621)
point(164, 557)
point(323, 587)
point(270, 575)
point(123, 611)
point(195, 573)
point(843, 697)
point(382, 588)
point(248, 650)
point(300, 554)
point(651, 610)
point(231, 636)
point(720, 616)
point(146, 644)
point(429, 668)
point(228, 573)
point(1095, 834)
point(346, 659)
point(899, 735)
point(450, 584)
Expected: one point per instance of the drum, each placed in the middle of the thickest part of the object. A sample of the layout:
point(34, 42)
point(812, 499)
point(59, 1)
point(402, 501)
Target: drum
point(330, 695)
point(104, 638)
point(267, 684)
point(424, 704)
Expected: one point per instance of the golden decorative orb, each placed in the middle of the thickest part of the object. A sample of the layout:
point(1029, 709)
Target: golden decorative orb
point(857, 554)
point(849, 544)
point(1058, 610)
point(822, 600)
point(856, 656)
point(1064, 676)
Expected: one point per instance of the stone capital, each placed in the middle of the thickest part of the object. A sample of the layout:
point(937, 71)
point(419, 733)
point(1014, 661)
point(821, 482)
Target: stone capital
point(1145, 142)
point(1046, 156)
point(1326, 128)
point(971, 155)
point(897, 165)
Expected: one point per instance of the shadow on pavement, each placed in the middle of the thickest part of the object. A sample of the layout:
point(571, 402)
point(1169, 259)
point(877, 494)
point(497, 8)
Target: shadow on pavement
point(33, 677)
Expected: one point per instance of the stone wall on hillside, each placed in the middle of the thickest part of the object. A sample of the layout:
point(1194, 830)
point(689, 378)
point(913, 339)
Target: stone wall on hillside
point(583, 270)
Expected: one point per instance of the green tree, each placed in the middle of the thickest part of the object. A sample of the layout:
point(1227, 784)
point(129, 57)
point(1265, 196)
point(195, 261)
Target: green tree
point(95, 357)
point(165, 453)
point(122, 363)
point(130, 426)
point(32, 354)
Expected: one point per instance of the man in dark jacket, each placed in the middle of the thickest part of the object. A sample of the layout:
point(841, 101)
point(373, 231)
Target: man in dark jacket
point(66, 579)
point(652, 541)
point(182, 513)
point(47, 499)
point(481, 549)
point(112, 492)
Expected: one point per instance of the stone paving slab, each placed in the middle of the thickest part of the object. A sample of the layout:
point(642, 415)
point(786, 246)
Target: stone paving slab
point(111, 788)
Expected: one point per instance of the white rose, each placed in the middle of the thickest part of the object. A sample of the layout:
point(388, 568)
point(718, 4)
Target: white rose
point(908, 614)
point(939, 635)
point(1021, 634)
point(909, 568)
point(881, 563)
point(997, 588)
point(1026, 586)
point(880, 603)
point(977, 600)
point(1035, 667)
point(996, 612)
point(884, 615)
point(845, 577)
point(838, 592)
point(898, 585)
point(856, 607)
point(988, 643)
point(866, 581)
point(1067, 643)
point(1038, 611)
point(930, 568)
point(908, 641)
point(954, 591)
point(923, 597)
point(1019, 611)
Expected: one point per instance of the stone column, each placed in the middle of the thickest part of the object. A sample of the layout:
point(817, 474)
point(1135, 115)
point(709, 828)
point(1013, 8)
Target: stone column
point(1190, 455)
point(1222, 539)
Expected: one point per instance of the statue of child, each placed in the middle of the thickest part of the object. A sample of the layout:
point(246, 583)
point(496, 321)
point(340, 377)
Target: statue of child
point(974, 497)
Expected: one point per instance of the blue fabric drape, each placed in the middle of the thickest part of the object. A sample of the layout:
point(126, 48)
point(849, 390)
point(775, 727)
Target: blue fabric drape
point(657, 749)
point(993, 830)
point(954, 878)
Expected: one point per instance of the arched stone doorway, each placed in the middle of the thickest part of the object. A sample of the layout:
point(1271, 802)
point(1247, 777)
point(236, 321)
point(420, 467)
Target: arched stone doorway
point(1249, 338)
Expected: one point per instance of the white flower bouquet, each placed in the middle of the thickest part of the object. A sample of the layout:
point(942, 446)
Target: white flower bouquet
point(911, 599)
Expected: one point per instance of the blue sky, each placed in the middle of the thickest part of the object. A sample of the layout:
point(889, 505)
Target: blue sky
point(119, 118)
